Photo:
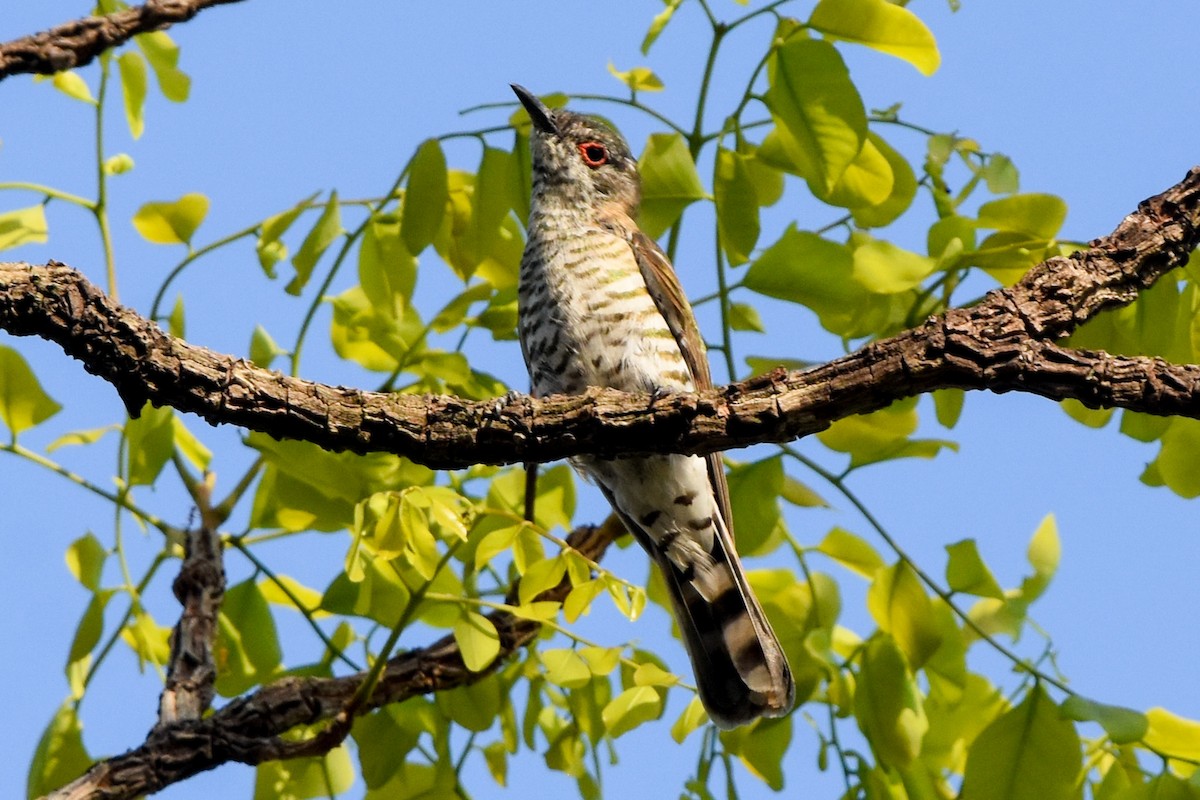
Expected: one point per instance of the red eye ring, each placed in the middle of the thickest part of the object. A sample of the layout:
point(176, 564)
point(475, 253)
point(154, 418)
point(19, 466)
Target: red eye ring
point(594, 154)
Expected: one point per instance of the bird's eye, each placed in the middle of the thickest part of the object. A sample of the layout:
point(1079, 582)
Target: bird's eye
point(594, 154)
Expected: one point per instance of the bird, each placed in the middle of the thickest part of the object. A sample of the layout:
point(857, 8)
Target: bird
point(599, 304)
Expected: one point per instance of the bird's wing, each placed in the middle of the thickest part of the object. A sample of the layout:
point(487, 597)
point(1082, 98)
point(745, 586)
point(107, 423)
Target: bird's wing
point(668, 296)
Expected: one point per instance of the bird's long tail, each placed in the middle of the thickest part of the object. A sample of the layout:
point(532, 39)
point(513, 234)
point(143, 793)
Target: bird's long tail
point(740, 668)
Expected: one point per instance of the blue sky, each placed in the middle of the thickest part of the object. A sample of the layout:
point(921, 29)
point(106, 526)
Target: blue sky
point(1094, 101)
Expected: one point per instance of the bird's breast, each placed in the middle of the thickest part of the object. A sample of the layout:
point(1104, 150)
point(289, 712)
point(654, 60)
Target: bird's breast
point(586, 317)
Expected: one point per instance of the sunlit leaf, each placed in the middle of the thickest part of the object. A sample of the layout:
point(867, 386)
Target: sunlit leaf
point(23, 402)
point(269, 248)
point(477, 640)
point(301, 778)
point(631, 708)
point(247, 649)
point(323, 234)
point(149, 441)
point(658, 23)
point(737, 205)
point(761, 748)
point(1029, 753)
point(899, 198)
point(85, 558)
point(884, 26)
point(1044, 553)
point(171, 222)
point(60, 756)
point(888, 704)
point(692, 718)
point(851, 551)
point(133, 88)
point(1123, 725)
point(884, 268)
point(163, 55)
point(1039, 215)
point(820, 120)
point(966, 572)
point(898, 603)
point(23, 226)
point(669, 182)
point(1172, 734)
point(70, 83)
point(638, 79)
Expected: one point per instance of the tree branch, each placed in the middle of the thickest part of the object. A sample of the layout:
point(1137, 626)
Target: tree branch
point(247, 730)
point(1005, 343)
point(199, 587)
point(76, 43)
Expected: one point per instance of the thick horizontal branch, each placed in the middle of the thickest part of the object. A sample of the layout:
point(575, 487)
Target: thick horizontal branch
point(76, 43)
point(999, 344)
point(247, 730)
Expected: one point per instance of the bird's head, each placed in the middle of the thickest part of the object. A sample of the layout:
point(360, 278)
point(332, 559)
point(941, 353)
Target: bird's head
point(578, 159)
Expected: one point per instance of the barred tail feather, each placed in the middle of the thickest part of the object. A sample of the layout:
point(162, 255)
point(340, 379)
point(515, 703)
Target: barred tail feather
point(740, 668)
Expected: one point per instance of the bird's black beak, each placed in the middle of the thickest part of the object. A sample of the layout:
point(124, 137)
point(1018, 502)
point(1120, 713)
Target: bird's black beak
point(537, 110)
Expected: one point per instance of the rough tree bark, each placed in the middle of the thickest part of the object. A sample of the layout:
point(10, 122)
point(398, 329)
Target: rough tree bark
point(76, 43)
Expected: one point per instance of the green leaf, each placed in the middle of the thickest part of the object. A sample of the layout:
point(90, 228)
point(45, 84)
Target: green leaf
point(1123, 725)
point(867, 180)
point(1038, 215)
point(477, 640)
point(171, 222)
point(881, 25)
point(72, 85)
point(565, 668)
point(263, 349)
point(387, 271)
point(948, 406)
point(149, 442)
point(327, 229)
point(658, 23)
point(1178, 460)
point(692, 718)
point(966, 572)
point(23, 226)
point(1001, 174)
point(133, 88)
point(851, 551)
point(496, 757)
point(81, 437)
point(761, 748)
point(1173, 734)
point(638, 79)
point(898, 603)
point(903, 188)
point(148, 640)
point(745, 317)
point(247, 649)
point(163, 54)
point(268, 247)
point(881, 436)
point(888, 704)
point(87, 635)
point(754, 497)
point(1044, 553)
point(820, 120)
point(85, 558)
point(1029, 753)
point(805, 268)
point(300, 778)
point(60, 756)
point(23, 402)
point(884, 268)
point(669, 182)
point(801, 494)
point(737, 205)
point(490, 201)
point(631, 708)
point(540, 576)
point(118, 164)
point(190, 447)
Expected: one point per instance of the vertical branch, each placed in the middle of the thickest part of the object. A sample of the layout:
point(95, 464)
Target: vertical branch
point(200, 588)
